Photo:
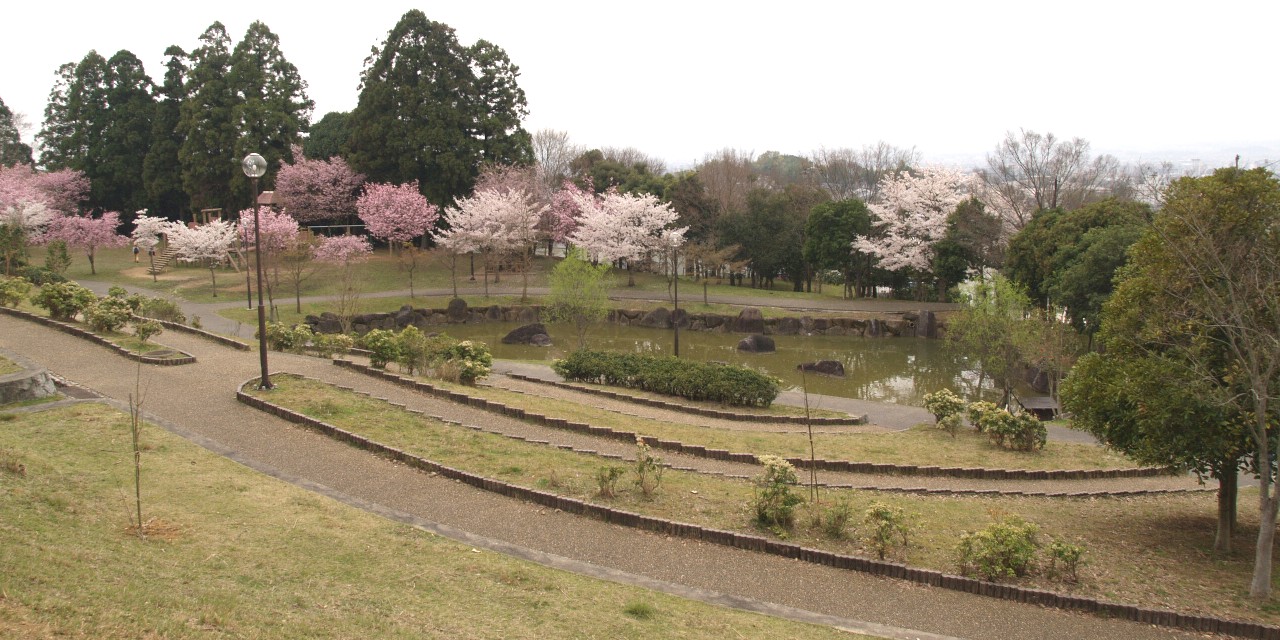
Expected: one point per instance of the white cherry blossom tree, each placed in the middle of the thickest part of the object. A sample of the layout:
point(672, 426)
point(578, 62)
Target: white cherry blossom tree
point(623, 226)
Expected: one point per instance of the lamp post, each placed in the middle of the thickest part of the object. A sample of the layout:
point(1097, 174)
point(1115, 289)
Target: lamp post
point(255, 166)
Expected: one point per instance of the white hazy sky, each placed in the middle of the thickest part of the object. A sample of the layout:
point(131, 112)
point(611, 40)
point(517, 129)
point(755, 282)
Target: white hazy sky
point(1170, 80)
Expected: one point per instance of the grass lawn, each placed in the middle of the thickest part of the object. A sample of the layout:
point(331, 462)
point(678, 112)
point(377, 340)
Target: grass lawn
point(922, 445)
point(233, 553)
point(1155, 551)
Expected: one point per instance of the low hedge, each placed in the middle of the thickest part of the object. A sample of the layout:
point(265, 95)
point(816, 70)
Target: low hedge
point(726, 384)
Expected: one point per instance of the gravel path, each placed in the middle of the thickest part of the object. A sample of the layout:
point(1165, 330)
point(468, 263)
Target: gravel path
point(197, 401)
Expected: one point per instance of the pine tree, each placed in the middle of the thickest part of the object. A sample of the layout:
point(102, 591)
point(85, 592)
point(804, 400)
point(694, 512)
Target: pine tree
point(161, 172)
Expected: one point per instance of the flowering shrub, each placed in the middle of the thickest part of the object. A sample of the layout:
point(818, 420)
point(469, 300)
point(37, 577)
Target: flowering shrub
point(328, 345)
point(1006, 549)
point(472, 359)
point(281, 337)
point(774, 502)
point(13, 290)
point(888, 529)
point(383, 347)
point(147, 329)
point(108, 314)
point(648, 469)
point(943, 403)
point(978, 410)
point(1022, 431)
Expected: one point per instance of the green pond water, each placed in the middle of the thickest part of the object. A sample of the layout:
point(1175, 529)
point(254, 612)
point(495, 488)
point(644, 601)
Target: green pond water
point(899, 370)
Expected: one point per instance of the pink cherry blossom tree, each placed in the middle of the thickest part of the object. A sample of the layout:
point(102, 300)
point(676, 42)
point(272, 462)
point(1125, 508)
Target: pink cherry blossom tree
point(912, 218)
point(624, 226)
point(210, 244)
point(344, 252)
point(316, 190)
point(561, 219)
point(86, 233)
point(398, 214)
point(498, 224)
point(279, 231)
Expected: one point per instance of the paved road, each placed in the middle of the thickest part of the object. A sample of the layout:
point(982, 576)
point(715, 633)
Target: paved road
point(197, 401)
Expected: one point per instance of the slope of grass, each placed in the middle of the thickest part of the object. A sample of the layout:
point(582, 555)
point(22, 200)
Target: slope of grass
point(233, 553)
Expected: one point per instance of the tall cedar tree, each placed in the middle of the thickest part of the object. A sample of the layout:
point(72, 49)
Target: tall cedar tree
point(126, 137)
point(207, 123)
point(271, 105)
point(75, 115)
point(12, 149)
point(432, 110)
point(98, 121)
point(161, 172)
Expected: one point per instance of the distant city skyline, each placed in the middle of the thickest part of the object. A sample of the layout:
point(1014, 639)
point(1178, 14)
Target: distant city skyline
point(678, 81)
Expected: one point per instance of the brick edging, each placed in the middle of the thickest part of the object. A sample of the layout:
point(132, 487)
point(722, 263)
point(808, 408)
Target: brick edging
point(702, 411)
point(93, 337)
point(223, 340)
point(750, 542)
point(846, 466)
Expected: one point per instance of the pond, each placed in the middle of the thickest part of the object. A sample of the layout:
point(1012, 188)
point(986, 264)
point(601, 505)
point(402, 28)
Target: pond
point(898, 370)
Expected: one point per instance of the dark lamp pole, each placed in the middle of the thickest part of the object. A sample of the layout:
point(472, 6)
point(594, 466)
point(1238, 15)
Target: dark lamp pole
point(255, 166)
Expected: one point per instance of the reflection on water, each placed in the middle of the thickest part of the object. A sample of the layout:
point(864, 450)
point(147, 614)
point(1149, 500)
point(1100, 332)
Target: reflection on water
point(899, 370)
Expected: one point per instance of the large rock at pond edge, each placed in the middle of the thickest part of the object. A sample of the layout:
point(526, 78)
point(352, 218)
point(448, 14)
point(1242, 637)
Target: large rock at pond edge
point(405, 317)
point(749, 320)
point(534, 334)
point(824, 367)
point(456, 312)
point(679, 318)
point(527, 315)
point(787, 327)
point(926, 325)
point(659, 318)
point(757, 344)
point(328, 322)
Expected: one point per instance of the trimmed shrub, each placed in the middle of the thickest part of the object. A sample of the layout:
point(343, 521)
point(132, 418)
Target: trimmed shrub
point(943, 404)
point(1006, 549)
point(289, 339)
point(40, 276)
point(472, 359)
point(63, 300)
point(13, 290)
point(161, 309)
point(726, 384)
point(328, 345)
point(977, 410)
point(383, 347)
point(108, 314)
point(1022, 432)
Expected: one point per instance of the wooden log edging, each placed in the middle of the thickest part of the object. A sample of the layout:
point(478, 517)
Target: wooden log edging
point(208, 335)
point(845, 466)
point(74, 330)
point(701, 411)
point(761, 544)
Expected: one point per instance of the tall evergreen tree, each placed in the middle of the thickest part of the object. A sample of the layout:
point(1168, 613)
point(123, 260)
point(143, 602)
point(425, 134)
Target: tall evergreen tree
point(118, 152)
point(327, 137)
point(12, 149)
point(272, 106)
point(207, 123)
point(432, 110)
point(75, 115)
point(161, 172)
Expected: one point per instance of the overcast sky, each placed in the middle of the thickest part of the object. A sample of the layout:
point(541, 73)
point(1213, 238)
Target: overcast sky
point(678, 80)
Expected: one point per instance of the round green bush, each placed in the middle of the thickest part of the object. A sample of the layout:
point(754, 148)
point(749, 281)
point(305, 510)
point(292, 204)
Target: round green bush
point(63, 300)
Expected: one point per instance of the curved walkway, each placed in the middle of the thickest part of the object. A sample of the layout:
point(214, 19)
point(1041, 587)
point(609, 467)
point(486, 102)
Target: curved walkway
point(198, 401)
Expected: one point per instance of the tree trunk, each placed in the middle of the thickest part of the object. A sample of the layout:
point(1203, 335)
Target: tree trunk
point(1260, 588)
point(1228, 484)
